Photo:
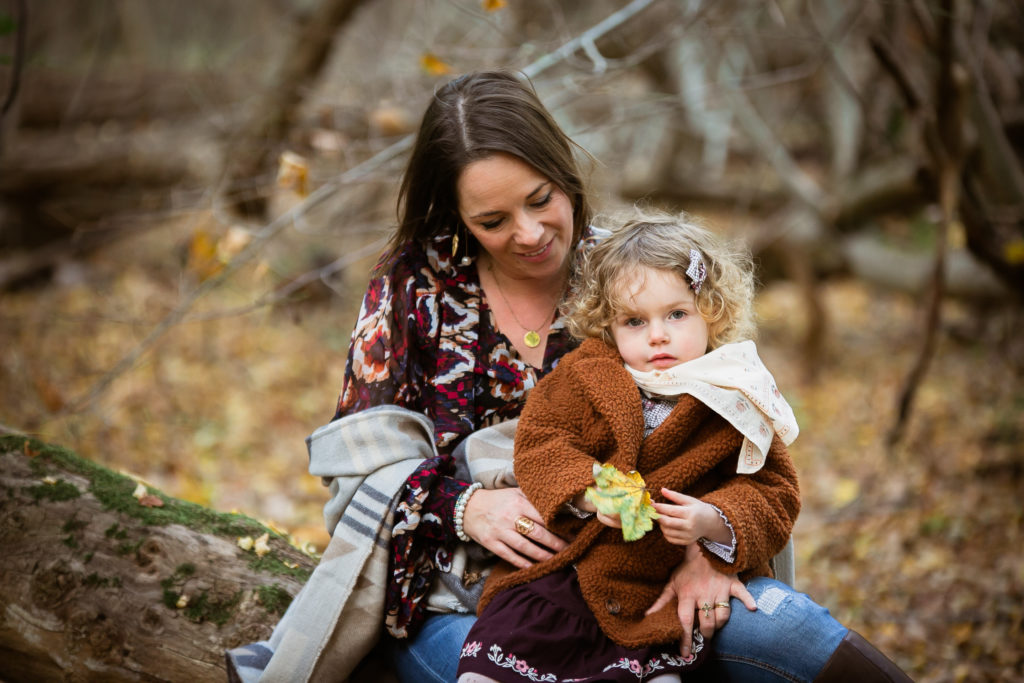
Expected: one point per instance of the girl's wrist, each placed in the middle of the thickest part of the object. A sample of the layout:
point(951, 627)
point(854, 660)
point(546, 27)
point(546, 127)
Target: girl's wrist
point(581, 503)
point(714, 527)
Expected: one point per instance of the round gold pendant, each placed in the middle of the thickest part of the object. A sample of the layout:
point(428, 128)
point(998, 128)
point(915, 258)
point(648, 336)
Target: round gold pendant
point(531, 339)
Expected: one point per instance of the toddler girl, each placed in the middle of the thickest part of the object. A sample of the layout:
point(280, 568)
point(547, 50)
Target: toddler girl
point(667, 383)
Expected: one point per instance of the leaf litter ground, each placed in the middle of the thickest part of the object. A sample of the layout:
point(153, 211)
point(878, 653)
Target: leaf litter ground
point(918, 548)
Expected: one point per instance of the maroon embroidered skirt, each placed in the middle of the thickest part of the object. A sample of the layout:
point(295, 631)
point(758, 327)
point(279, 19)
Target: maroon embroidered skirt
point(544, 631)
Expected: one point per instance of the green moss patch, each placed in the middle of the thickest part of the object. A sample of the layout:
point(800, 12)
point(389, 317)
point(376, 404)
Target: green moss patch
point(205, 608)
point(94, 580)
point(115, 490)
point(273, 598)
point(56, 492)
point(272, 564)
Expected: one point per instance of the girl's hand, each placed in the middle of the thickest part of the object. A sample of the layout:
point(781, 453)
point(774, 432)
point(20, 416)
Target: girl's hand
point(609, 520)
point(695, 583)
point(689, 519)
point(490, 520)
point(580, 502)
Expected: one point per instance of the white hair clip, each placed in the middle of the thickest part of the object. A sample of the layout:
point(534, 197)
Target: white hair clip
point(696, 272)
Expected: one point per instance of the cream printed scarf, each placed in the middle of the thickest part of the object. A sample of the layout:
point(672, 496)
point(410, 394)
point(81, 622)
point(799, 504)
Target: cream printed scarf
point(732, 381)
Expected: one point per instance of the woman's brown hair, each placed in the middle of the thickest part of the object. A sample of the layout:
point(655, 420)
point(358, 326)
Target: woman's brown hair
point(471, 118)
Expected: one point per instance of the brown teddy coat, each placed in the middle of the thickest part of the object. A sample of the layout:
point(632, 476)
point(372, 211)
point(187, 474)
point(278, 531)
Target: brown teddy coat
point(588, 410)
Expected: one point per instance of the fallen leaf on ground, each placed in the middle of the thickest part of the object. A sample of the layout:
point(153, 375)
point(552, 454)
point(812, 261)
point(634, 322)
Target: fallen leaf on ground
point(262, 545)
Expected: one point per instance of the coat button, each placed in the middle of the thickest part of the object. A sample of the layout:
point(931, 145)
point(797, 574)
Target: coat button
point(612, 606)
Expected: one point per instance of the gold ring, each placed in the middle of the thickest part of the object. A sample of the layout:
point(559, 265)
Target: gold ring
point(722, 604)
point(706, 609)
point(524, 525)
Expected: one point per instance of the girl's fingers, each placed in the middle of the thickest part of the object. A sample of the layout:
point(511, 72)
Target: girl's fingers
point(676, 497)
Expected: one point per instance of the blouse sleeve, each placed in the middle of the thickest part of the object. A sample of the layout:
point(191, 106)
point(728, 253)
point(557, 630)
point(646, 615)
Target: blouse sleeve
point(392, 356)
point(386, 364)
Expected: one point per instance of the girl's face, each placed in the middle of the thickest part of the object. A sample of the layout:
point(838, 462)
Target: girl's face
point(520, 218)
point(660, 326)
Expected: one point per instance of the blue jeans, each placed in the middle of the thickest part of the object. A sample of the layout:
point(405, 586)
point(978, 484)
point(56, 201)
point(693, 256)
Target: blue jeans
point(788, 638)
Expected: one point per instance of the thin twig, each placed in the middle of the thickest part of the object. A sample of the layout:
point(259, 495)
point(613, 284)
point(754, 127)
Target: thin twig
point(612, 21)
point(802, 186)
point(316, 198)
point(283, 292)
point(947, 155)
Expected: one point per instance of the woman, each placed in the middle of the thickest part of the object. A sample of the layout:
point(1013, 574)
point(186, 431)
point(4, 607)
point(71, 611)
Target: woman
point(492, 208)
point(460, 320)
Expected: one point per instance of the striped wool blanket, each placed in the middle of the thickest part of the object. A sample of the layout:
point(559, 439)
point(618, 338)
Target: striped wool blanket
point(329, 627)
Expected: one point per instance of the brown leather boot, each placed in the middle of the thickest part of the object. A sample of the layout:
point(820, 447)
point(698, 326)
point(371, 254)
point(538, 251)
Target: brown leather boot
point(857, 661)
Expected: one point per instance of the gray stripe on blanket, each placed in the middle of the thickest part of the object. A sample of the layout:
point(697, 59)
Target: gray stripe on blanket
point(359, 507)
point(371, 492)
point(358, 527)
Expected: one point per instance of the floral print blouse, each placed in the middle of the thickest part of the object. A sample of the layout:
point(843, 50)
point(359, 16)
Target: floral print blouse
point(425, 340)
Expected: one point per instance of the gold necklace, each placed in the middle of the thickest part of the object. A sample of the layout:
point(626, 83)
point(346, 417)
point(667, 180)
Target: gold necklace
point(532, 337)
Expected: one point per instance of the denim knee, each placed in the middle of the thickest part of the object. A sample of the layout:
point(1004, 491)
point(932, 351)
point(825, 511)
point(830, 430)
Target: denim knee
point(433, 653)
point(789, 637)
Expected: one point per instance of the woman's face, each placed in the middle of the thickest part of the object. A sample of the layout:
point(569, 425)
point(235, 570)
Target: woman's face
point(520, 218)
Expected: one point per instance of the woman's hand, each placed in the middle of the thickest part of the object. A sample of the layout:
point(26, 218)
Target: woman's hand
point(696, 583)
point(490, 520)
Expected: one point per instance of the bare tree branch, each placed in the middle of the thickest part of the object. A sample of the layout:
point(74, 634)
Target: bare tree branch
point(950, 98)
point(316, 198)
point(19, 57)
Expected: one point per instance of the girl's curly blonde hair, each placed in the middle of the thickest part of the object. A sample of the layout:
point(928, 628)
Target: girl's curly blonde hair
point(663, 241)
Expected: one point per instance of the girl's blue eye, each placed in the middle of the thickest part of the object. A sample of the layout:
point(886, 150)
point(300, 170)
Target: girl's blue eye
point(634, 322)
point(677, 315)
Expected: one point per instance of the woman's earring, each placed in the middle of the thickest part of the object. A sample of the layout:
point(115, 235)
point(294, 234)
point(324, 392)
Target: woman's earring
point(465, 260)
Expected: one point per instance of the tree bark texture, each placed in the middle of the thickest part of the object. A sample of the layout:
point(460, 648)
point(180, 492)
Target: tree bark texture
point(96, 585)
point(250, 154)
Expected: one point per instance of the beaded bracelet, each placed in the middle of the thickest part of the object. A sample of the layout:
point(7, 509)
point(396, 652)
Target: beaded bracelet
point(460, 509)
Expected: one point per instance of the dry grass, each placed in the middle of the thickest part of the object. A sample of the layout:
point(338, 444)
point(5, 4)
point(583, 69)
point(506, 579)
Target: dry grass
point(919, 548)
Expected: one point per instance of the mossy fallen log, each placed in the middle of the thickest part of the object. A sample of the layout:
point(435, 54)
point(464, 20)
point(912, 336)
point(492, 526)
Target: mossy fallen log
point(101, 582)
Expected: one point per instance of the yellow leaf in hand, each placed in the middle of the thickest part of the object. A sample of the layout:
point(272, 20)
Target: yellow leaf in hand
point(625, 495)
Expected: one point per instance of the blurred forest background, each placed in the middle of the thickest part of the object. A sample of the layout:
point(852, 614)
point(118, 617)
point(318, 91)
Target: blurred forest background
point(192, 195)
